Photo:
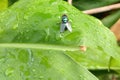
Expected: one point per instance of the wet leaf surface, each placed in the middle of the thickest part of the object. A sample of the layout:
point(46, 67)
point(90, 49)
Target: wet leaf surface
point(32, 46)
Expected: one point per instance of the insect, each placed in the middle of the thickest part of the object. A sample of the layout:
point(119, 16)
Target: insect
point(65, 25)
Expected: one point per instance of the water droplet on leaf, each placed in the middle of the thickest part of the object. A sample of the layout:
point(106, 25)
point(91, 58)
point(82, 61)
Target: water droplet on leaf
point(21, 33)
point(41, 77)
point(27, 30)
point(15, 26)
point(27, 38)
point(26, 17)
point(81, 77)
point(1, 30)
point(9, 71)
point(31, 58)
point(33, 70)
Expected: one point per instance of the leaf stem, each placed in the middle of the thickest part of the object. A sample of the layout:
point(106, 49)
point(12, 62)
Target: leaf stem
point(39, 46)
point(70, 2)
point(102, 9)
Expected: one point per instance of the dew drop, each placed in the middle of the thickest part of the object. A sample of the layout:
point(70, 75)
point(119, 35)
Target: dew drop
point(27, 30)
point(2, 58)
point(41, 77)
point(71, 20)
point(58, 36)
point(27, 73)
point(33, 7)
point(31, 58)
point(30, 9)
point(27, 38)
point(81, 77)
point(59, 17)
point(27, 79)
point(26, 17)
point(33, 70)
point(61, 35)
point(22, 22)
point(1, 20)
point(47, 31)
point(100, 48)
point(21, 33)
point(21, 68)
point(15, 26)
point(1, 30)
point(19, 38)
point(9, 71)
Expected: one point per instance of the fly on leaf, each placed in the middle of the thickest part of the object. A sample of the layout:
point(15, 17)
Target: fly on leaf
point(65, 25)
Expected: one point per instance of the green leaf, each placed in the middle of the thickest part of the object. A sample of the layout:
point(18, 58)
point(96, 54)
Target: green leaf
point(111, 19)
point(11, 2)
point(30, 28)
point(27, 64)
point(89, 4)
point(3, 4)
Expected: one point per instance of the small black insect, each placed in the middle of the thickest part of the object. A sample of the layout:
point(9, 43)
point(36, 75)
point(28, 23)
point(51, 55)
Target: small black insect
point(65, 25)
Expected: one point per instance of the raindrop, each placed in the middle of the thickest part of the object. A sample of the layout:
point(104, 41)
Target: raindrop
point(81, 77)
point(33, 70)
point(30, 9)
point(12, 55)
point(27, 79)
point(41, 77)
point(27, 38)
point(70, 20)
point(19, 37)
point(65, 12)
point(15, 26)
point(47, 31)
point(21, 68)
point(31, 59)
point(2, 58)
point(22, 22)
point(1, 30)
point(26, 17)
point(33, 7)
point(27, 30)
point(21, 32)
point(59, 17)
point(59, 36)
point(27, 73)
point(1, 20)
point(9, 71)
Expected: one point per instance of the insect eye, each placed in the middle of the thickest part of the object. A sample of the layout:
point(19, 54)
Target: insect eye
point(65, 19)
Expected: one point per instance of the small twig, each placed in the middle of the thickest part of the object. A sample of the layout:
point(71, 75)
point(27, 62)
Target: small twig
point(116, 29)
point(102, 9)
point(70, 2)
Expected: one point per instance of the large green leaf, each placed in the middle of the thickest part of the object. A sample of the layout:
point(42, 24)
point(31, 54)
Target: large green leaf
point(89, 4)
point(27, 64)
point(3, 4)
point(111, 19)
point(12, 2)
point(33, 27)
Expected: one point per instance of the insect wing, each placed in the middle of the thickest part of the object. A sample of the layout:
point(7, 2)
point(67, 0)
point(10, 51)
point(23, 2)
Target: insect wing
point(62, 27)
point(69, 27)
